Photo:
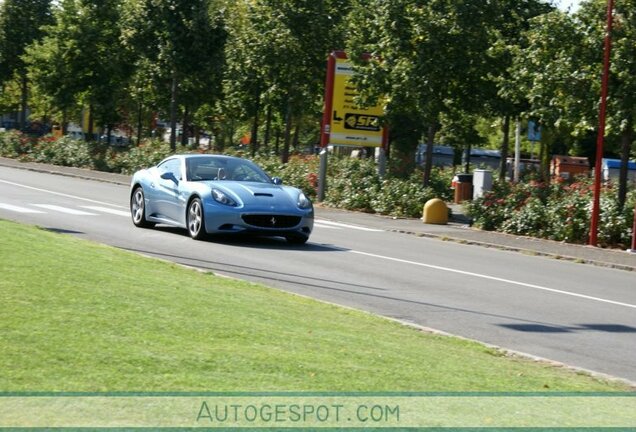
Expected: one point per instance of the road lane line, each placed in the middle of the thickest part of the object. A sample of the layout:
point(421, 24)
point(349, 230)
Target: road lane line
point(61, 194)
point(318, 224)
point(342, 225)
point(108, 210)
point(18, 209)
point(64, 210)
point(497, 279)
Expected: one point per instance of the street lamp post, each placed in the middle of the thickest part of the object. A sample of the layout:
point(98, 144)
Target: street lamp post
point(601, 127)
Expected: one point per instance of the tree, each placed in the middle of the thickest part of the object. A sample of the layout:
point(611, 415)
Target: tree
point(509, 25)
point(80, 61)
point(277, 58)
point(21, 24)
point(184, 40)
point(622, 86)
point(428, 57)
point(560, 72)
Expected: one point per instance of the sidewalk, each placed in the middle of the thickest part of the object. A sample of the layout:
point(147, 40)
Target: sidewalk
point(456, 230)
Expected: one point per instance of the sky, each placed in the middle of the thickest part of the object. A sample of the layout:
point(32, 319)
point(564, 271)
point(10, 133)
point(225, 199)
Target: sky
point(568, 4)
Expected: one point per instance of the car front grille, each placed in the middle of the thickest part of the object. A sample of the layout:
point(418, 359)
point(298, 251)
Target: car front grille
point(272, 221)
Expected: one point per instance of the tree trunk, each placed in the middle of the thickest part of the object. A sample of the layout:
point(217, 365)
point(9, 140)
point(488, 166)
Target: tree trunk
point(505, 144)
point(296, 135)
point(64, 123)
point(467, 153)
point(91, 124)
point(428, 163)
point(268, 125)
point(544, 160)
point(197, 137)
point(173, 113)
point(254, 135)
point(288, 128)
point(23, 101)
point(139, 121)
point(185, 127)
point(627, 138)
point(277, 141)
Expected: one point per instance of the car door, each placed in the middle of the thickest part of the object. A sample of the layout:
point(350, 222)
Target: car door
point(168, 204)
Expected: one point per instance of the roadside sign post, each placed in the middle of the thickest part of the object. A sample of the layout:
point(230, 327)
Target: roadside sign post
point(322, 176)
point(344, 122)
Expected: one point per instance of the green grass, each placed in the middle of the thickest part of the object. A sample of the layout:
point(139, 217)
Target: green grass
point(77, 316)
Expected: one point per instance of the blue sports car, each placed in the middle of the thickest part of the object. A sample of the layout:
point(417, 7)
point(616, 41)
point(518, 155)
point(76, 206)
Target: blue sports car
point(214, 194)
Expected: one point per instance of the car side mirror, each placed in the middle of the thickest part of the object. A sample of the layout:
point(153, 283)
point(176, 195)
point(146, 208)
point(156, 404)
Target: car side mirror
point(277, 181)
point(169, 176)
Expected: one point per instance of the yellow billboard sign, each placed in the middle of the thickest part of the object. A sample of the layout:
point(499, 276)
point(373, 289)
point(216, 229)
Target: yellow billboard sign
point(349, 123)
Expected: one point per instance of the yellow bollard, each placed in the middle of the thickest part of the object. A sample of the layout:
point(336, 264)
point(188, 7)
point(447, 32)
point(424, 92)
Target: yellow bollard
point(435, 212)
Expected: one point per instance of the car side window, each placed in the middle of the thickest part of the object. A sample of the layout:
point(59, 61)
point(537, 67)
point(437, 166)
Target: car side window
point(172, 166)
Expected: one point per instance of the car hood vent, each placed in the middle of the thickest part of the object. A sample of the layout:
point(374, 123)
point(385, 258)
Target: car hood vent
point(263, 194)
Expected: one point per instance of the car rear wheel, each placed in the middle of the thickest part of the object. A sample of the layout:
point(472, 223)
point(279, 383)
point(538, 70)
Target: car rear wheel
point(195, 220)
point(138, 209)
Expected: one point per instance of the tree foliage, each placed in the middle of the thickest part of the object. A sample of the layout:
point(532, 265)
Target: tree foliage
point(560, 69)
point(257, 67)
point(21, 24)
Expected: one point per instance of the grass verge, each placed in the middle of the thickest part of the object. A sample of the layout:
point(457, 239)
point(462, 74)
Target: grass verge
point(78, 316)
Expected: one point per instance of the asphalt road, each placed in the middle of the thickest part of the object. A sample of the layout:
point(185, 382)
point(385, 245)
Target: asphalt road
point(584, 316)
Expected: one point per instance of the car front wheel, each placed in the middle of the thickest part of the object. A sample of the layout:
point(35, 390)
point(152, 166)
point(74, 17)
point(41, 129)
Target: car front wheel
point(138, 209)
point(195, 220)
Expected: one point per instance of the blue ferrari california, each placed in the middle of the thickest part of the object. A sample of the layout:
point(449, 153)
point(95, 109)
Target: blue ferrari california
point(214, 194)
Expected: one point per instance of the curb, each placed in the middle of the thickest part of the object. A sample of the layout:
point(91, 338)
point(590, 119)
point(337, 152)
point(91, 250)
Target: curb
point(81, 173)
point(524, 251)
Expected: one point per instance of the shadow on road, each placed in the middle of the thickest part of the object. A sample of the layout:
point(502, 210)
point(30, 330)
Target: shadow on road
point(323, 285)
point(61, 230)
point(255, 241)
point(539, 328)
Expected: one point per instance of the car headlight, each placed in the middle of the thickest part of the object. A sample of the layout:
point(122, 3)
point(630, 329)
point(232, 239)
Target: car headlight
point(221, 197)
point(303, 201)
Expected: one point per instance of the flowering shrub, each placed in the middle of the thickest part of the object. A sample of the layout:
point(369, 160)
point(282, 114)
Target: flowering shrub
point(14, 144)
point(403, 198)
point(300, 171)
point(556, 211)
point(65, 151)
point(145, 155)
point(352, 183)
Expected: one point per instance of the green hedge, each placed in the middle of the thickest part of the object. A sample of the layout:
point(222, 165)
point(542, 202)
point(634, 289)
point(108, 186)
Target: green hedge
point(557, 211)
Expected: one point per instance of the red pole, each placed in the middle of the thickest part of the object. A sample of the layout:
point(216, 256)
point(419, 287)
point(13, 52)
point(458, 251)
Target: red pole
point(326, 115)
point(601, 128)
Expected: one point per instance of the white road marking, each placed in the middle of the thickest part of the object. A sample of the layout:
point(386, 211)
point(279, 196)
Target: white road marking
point(323, 223)
point(64, 210)
point(497, 279)
point(318, 224)
point(108, 210)
point(342, 225)
point(18, 209)
point(61, 194)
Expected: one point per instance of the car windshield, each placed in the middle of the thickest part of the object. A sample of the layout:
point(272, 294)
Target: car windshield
point(233, 169)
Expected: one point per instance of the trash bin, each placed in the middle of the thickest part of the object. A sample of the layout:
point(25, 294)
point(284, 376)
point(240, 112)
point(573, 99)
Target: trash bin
point(463, 187)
